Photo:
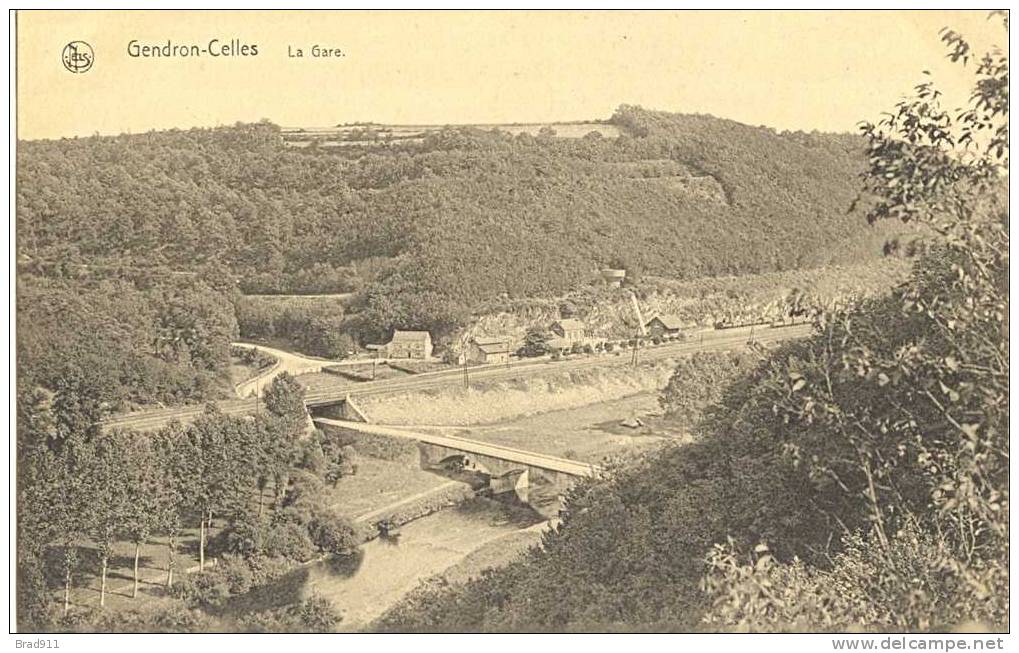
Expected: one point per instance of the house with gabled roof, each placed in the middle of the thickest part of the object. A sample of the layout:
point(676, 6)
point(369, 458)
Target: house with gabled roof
point(664, 325)
point(409, 344)
point(488, 350)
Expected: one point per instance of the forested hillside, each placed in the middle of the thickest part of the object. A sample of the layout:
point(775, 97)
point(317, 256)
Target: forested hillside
point(856, 480)
point(427, 231)
point(104, 344)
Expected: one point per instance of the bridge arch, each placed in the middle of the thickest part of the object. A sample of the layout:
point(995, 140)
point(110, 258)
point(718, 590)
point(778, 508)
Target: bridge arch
point(465, 461)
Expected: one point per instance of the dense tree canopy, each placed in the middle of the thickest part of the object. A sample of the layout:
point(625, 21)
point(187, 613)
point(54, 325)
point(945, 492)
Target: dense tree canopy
point(430, 229)
point(116, 342)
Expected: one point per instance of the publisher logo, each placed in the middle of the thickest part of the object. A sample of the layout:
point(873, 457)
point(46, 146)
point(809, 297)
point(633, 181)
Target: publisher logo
point(78, 56)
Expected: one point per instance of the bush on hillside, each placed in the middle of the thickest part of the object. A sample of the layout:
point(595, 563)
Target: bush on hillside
point(902, 587)
point(312, 615)
point(699, 382)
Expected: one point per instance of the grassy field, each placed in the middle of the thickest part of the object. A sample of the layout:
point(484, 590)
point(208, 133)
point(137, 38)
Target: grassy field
point(355, 374)
point(240, 372)
point(587, 433)
point(411, 366)
point(377, 484)
point(120, 575)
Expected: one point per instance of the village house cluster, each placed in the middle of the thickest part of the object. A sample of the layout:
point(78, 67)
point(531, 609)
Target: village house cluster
point(567, 335)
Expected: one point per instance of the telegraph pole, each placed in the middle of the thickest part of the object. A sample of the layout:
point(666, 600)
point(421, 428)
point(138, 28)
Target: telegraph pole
point(641, 329)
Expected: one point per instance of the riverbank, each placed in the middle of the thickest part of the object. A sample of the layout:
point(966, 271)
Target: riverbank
point(389, 569)
point(494, 401)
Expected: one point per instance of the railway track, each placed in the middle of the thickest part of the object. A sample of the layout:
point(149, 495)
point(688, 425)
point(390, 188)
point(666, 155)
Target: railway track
point(317, 397)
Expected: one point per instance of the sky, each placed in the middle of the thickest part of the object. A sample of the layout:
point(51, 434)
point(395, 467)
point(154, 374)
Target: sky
point(824, 70)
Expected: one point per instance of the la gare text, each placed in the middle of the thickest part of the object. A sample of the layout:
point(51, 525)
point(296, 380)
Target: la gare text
point(314, 52)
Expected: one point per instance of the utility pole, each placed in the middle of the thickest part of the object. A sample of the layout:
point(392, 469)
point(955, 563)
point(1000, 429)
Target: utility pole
point(641, 329)
point(466, 375)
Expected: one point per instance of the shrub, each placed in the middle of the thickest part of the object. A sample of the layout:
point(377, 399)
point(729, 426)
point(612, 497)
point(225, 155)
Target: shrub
point(264, 569)
point(174, 618)
point(287, 539)
point(315, 615)
point(304, 494)
point(253, 357)
point(243, 536)
point(437, 499)
point(535, 344)
point(178, 619)
point(206, 589)
point(235, 573)
point(333, 533)
point(313, 458)
point(699, 381)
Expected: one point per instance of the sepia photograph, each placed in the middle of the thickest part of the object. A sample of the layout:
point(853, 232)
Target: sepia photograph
point(510, 321)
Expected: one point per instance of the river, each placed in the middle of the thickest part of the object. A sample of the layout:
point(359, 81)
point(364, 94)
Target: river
point(387, 570)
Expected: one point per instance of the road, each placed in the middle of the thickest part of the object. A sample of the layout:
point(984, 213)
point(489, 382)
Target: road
point(288, 361)
point(530, 458)
point(323, 396)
